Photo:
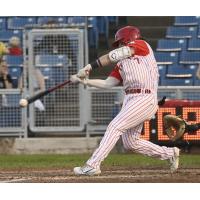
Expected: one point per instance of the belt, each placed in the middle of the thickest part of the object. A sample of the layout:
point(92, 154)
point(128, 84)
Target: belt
point(134, 91)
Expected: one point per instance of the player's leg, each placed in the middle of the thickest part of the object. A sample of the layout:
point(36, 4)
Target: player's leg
point(136, 109)
point(132, 141)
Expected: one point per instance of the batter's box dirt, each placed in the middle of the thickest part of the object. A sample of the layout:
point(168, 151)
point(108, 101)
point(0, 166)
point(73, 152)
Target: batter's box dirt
point(109, 175)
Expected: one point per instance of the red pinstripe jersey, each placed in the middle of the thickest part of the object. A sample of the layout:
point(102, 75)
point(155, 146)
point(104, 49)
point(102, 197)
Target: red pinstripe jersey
point(140, 70)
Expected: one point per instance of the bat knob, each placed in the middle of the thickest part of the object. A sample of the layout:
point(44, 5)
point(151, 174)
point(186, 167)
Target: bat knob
point(23, 102)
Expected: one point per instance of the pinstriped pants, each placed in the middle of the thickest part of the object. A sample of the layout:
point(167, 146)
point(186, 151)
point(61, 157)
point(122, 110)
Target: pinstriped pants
point(136, 109)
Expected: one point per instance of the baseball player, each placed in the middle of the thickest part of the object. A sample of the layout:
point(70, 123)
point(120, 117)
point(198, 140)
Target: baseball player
point(136, 68)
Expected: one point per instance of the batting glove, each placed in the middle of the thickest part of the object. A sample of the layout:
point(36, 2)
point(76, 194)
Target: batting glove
point(84, 73)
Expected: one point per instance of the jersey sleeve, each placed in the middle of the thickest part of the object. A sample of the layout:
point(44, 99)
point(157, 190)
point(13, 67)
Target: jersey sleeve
point(140, 47)
point(115, 73)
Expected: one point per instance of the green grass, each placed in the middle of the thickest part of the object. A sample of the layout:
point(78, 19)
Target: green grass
point(68, 161)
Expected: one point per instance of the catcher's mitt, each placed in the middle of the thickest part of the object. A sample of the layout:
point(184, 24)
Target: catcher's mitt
point(174, 127)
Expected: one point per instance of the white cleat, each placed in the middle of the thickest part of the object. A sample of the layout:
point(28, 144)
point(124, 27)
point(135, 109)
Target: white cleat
point(174, 160)
point(86, 170)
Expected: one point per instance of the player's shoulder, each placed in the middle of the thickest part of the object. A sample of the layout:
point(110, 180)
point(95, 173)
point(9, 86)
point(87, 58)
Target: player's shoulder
point(139, 42)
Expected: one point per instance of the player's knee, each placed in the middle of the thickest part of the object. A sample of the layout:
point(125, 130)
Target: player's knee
point(115, 127)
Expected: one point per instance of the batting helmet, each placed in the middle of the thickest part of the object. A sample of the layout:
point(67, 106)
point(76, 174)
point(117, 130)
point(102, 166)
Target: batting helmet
point(125, 35)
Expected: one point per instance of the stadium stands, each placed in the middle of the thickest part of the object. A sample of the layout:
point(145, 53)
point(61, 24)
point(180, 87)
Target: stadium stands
point(171, 44)
point(187, 57)
point(49, 60)
point(20, 22)
point(166, 58)
point(181, 32)
point(194, 44)
point(187, 20)
point(45, 20)
point(5, 35)
point(14, 60)
point(12, 26)
point(2, 24)
point(182, 71)
point(15, 72)
point(177, 81)
point(183, 39)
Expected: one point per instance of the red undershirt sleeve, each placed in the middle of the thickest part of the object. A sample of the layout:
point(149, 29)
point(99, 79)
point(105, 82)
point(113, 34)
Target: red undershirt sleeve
point(115, 73)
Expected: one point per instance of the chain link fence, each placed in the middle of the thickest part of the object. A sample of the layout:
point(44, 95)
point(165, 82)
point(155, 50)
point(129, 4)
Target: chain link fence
point(54, 55)
point(12, 118)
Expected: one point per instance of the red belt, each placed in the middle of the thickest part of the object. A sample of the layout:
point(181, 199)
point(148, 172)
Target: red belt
point(134, 91)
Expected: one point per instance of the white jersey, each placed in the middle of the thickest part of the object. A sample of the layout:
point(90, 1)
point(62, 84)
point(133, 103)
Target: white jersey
point(139, 71)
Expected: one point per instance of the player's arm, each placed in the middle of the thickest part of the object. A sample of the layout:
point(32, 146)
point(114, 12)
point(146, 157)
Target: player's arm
point(138, 47)
point(98, 83)
point(109, 59)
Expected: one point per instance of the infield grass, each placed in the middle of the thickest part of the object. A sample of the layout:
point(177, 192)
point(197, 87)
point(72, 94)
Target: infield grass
point(69, 161)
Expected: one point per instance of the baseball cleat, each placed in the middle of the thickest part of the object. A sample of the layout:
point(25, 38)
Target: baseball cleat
point(87, 170)
point(174, 160)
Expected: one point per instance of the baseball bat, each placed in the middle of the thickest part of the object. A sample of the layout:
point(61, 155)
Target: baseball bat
point(46, 92)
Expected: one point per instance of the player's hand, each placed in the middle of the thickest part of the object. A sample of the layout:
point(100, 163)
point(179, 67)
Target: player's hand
point(84, 73)
point(75, 79)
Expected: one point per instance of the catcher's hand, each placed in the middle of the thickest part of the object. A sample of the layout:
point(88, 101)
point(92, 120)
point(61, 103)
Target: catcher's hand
point(174, 127)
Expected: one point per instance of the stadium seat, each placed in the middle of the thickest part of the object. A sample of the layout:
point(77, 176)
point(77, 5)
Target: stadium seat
point(113, 19)
point(53, 75)
point(181, 71)
point(186, 20)
point(181, 32)
point(45, 20)
point(162, 72)
point(5, 35)
point(178, 81)
point(194, 44)
point(198, 34)
point(187, 57)
point(196, 81)
point(51, 60)
point(166, 58)
point(20, 22)
point(14, 60)
point(103, 25)
point(79, 20)
point(59, 74)
point(15, 73)
point(3, 23)
point(93, 31)
point(171, 45)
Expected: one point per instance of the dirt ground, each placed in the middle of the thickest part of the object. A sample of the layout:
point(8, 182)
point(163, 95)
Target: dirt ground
point(109, 175)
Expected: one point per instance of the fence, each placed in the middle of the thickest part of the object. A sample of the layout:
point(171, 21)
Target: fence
point(56, 54)
point(13, 119)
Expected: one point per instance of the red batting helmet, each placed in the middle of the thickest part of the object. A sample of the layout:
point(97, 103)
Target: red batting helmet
point(125, 35)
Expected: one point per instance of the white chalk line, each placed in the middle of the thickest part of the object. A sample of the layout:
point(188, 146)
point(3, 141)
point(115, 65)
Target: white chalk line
point(16, 180)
